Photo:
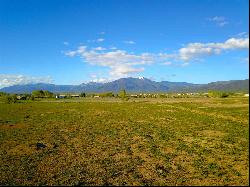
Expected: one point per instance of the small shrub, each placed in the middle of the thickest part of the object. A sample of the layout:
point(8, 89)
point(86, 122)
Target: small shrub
point(223, 95)
point(83, 94)
point(122, 94)
point(32, 98)
point(10, 99)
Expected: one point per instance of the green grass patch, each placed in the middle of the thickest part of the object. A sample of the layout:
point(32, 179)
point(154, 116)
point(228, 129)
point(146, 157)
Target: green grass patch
point(200, 141)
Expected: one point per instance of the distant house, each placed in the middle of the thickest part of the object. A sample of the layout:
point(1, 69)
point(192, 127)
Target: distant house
point(246, 95)
point(60, 96)
point(75, 95)
point(134, 96)
point(21, 97)
point(96, 96)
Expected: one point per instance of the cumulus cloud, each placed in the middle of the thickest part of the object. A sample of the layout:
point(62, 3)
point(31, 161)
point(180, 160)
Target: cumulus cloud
point(99, 80)
point(129, 42)
point(242, 34)
point(112, 48)
point(10, 80)
point(196, 50)
point(120, 62)
point(167, 63)
point(80, 50)
point(65, 43)
point(123, 70)
point(219, 20)
point(246, 59)
point(100, 39)
point(99, 48)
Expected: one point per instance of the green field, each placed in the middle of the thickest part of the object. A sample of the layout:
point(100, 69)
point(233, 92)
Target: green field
point(192, 141)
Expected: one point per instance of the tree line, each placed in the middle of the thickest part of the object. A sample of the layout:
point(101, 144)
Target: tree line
point(39, 94)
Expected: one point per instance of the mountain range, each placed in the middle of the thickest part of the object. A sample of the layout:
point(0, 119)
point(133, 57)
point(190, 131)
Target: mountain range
point(132, 85)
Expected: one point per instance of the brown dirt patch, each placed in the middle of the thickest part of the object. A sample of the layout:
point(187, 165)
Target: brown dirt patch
point(12, 126)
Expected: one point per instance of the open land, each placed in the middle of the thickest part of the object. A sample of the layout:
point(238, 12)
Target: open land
point(169, 141)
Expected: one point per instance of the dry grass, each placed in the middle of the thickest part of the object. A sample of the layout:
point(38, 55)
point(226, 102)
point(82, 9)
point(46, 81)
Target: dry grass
point(139, 142)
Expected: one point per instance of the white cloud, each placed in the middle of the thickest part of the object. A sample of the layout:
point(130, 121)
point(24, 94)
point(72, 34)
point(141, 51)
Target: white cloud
point(93, 75)
point(10, 80)
point(246, 59)
point(100, 49)
point(99, 80)
point(236, 43)
point(65, 43)
point(195, 50)
point(81, 49)
point(123, 70)
point(113, 48)
point(219, 20)
point(96, 41)
point(242, 34)
point(185, 64)
point(100, 40)
point(120, 62)
point(167, 63)
point(129, 42)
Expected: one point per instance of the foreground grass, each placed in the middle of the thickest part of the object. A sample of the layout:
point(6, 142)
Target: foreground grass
point(154, 142)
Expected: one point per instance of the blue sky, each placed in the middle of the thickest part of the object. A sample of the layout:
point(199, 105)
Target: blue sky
point(71, 42)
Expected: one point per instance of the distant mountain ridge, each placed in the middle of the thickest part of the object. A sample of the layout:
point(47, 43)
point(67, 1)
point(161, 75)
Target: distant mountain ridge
point(132, 85)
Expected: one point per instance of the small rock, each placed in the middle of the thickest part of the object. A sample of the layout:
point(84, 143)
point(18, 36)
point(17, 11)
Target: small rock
point(40, 146)
point(27, 116)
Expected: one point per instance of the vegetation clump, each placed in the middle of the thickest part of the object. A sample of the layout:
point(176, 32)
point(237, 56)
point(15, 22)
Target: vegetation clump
point(219, 94)
point(123, 95)
point(10, 99)
point(107, 94)
point(83, 94)
point(42, 94)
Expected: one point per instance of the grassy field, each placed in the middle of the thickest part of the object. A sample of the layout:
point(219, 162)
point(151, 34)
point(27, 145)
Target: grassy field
point(195, 141)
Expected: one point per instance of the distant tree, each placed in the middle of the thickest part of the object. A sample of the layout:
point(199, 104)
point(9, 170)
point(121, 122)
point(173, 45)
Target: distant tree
point(47, 94)
point(38, 93)
point(223, 95)
point(162, 96)
point(10, 99)
point(123, 95)
point(108, 94)
point(32, 98)
point(219, 94)
point(41, 93)
point(83, 94)
point(27, 97)
point(3, 94)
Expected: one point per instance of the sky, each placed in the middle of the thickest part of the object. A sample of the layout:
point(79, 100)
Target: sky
point(78, 41)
